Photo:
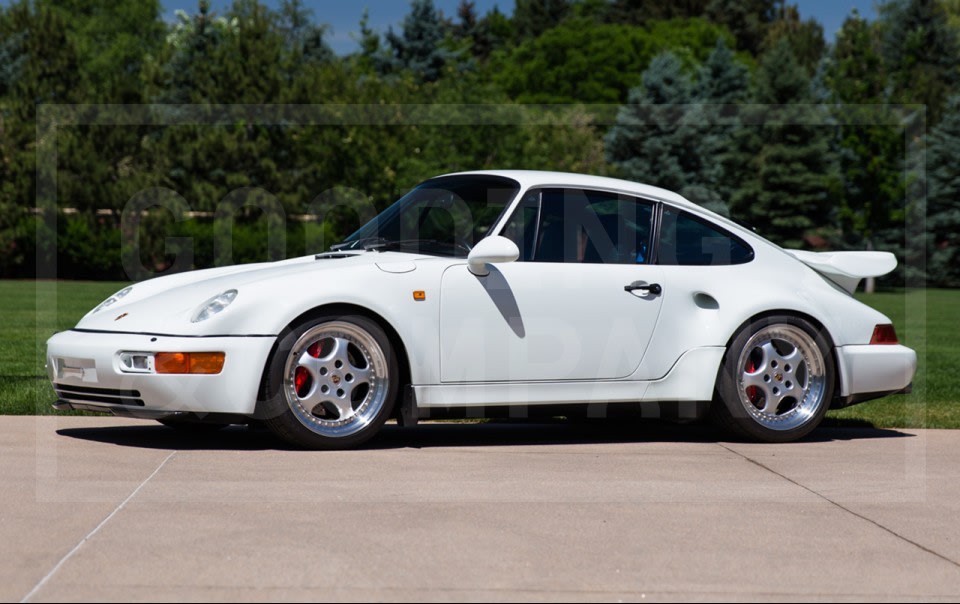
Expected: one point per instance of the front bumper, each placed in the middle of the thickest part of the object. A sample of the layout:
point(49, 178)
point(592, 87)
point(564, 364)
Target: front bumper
point(85, 373)
point(872, 371)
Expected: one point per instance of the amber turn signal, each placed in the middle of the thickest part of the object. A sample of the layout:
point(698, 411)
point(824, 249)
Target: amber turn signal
point(188, 362)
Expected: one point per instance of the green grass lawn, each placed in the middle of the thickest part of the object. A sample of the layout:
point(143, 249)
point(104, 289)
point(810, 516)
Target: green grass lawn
point(32, 312)
point(925, 320)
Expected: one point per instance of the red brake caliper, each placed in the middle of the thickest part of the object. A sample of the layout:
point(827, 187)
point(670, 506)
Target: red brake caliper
point(301, 377)
point(753, 393)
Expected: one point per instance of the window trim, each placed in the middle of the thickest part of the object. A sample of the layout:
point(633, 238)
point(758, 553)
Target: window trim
point(706, 222)
point(653, 236)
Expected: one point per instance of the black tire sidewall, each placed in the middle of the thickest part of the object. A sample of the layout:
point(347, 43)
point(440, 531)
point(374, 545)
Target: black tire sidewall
point(732, 413)
point(277, 414)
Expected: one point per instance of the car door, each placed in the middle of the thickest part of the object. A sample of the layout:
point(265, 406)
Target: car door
point(581, 302)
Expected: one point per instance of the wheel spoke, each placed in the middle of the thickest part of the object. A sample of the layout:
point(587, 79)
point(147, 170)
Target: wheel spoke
point(793, 359)
point(769, 354)
point(313, 398)
point(339, 345)
point(771, 403)
point(796, 391)
point(310, 363)
point(361, 376)
point(343, 405)
point(754, 379)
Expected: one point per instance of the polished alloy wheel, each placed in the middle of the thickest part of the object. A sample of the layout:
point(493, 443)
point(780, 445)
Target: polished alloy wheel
point(336, 379)
point(782, 377)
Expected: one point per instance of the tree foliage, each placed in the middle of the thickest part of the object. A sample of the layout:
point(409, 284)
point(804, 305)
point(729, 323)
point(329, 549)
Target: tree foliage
point(739, 105)
point(943, 197)
point(787, 168)
point(583, 60)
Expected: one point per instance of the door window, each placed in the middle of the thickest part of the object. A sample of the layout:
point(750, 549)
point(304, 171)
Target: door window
point(579, 226)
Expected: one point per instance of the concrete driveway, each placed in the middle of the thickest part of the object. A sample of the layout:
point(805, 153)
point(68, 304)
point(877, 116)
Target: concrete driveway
point(102, 508)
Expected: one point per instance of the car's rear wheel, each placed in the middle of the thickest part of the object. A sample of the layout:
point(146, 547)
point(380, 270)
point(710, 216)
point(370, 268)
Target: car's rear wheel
point(333, 382)
point(777, 380)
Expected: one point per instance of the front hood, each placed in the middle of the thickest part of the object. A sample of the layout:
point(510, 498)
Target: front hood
point(165, 305)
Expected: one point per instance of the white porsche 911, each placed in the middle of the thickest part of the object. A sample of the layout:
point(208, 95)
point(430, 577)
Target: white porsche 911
point(496, 290)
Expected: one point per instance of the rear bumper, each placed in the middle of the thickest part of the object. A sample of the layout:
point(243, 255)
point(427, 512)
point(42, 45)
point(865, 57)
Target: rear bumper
point(872, 371)
point(86, 373)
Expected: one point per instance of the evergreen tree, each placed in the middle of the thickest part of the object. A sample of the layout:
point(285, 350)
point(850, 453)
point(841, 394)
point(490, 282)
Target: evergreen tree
point(481, 35)
point(920, 50)
point(869, 149)
point(421, 46)
point(722, 78)
point(723, 84)
point(804, 37)
point(654, 140)
point(306, 40)
point(943, 197)
point(747, 19)
point(641, 11)
point(533, 17)
point(787, 164)
point(673, 132)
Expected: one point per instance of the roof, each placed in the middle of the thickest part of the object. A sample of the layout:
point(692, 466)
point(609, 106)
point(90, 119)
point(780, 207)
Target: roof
point(530, 178)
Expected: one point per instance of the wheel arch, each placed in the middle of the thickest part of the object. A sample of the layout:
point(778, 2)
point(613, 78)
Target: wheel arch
point(817, 323)
point(403, 359)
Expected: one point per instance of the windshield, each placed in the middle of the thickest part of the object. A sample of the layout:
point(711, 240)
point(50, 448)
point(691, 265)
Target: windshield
point(443, 216)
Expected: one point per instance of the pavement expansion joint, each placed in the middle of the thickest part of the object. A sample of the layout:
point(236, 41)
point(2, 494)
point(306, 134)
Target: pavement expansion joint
point(844, 508)
point(56, 567)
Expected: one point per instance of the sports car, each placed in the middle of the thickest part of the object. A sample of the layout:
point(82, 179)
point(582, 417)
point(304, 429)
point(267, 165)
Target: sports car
point(491, 292)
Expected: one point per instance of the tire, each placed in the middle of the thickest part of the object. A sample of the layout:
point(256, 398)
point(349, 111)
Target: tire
point(776, 380)
point(331, 382)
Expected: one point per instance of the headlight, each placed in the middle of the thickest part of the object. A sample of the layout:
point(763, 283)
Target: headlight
point(113, 299)
point(214, 305)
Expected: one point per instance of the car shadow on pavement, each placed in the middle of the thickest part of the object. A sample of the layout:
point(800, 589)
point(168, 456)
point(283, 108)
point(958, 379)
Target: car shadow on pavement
point(460, 434)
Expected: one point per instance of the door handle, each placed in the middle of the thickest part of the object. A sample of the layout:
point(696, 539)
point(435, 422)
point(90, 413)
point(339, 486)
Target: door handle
point(644, 289)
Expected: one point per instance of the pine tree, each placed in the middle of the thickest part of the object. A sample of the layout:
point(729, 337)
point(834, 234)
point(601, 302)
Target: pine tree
point(722, 78)
point(723, 84)
point(420, 47)
point(641, 11)
point(920, 50)
point(804, 36)
point(305, 39)
point(533, 17)
point(674, 133)
point(869, 150)
point(659, 137)
point(747, 19)
point(788, 167)
point(943, 197)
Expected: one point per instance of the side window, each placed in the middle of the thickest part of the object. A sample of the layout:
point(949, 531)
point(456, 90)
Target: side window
point(576, 226)
point(522, 226)
point(689, 241)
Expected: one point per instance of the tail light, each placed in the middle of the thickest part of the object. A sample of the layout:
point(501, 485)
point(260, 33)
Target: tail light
point(884, 334)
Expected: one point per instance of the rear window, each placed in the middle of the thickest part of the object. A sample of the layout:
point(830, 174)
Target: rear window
point(686, 240)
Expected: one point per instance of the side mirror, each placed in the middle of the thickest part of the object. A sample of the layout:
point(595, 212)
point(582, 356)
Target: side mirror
point(491, 250)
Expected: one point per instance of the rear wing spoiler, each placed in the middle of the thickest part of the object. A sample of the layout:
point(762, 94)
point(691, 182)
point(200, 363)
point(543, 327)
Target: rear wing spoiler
point(846, 269)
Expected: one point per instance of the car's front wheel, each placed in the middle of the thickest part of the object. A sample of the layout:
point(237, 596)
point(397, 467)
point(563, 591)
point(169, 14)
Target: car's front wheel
point(332, 381)
point(777, 380)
